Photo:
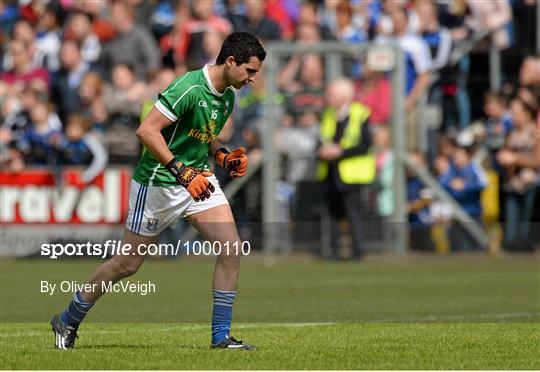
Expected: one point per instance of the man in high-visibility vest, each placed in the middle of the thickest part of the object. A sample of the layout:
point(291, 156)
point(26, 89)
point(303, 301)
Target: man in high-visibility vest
point(345, 162)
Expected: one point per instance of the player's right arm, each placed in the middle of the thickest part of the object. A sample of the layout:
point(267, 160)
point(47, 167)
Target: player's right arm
point(149, 133)
point(194, 180)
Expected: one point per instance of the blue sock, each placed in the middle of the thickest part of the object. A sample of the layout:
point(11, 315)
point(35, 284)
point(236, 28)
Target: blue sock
point(76, 311)
point(222, 315)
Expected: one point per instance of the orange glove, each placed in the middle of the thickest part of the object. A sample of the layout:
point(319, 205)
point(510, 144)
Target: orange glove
point(236, 162)
point(193, 179)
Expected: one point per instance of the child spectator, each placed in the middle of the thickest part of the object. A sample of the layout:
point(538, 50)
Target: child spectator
point(418, 205)
point(465, 181)
point(40, 136)
point(80, 147)
point(499, 121)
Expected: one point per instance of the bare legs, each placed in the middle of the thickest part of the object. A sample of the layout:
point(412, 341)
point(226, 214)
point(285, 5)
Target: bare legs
point(118, 267)
point(217, 224)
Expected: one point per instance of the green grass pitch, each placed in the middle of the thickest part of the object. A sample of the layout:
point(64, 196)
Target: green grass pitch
point(415, 312)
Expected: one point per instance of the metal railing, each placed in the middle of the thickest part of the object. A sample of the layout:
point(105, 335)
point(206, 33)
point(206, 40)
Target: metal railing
point(332, 52)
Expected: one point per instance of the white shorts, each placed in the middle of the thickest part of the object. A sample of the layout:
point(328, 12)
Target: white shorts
point(154, 208)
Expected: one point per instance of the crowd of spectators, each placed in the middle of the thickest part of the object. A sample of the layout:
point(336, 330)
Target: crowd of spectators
point(77, 77)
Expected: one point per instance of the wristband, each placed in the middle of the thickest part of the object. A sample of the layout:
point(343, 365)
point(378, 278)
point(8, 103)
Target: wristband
point(184, 175)
point(221, 156)
point(175, 167)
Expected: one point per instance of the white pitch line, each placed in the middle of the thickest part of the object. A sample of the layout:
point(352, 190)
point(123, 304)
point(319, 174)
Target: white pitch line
point(188, 327)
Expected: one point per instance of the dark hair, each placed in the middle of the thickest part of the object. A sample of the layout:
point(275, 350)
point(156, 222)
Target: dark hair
point(469, 148)
point(86, 15)
point(525, 106)
point(81, 119)
point(57, 11)
point(75, 42)
point(497, 96)
point(345, 6)
point(127, 65)
point(242, 46)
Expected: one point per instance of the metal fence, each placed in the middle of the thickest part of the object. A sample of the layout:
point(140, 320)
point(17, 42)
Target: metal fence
point(375, 231)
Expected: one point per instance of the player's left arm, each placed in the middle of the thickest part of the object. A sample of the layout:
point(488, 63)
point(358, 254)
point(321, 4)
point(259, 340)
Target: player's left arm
point(235, 162)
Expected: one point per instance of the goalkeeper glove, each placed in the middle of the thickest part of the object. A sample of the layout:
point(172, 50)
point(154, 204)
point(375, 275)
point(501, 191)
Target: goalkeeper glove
point(235, 162)
point(193, 179)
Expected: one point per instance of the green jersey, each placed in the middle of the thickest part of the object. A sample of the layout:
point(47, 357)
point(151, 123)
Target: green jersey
point(198, 113)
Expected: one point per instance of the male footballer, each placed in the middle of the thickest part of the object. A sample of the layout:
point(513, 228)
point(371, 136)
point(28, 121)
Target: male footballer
point(172, 180)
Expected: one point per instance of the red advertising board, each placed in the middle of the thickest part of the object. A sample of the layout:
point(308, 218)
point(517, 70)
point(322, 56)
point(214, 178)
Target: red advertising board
point(34, 196)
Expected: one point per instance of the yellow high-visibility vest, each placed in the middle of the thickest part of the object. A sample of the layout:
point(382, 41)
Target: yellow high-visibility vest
point(357, 169)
